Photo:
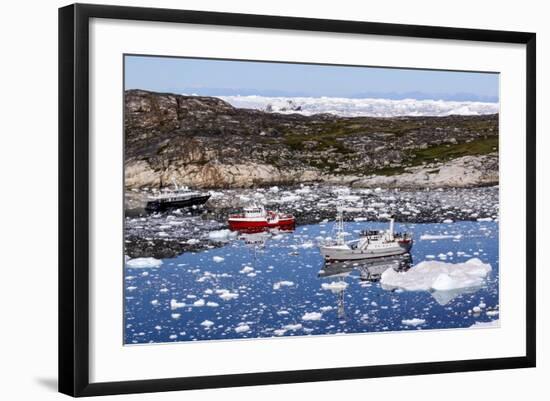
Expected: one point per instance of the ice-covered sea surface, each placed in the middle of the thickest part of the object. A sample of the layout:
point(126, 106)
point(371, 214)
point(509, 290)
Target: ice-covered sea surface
point(349, 107)
point(276, 284)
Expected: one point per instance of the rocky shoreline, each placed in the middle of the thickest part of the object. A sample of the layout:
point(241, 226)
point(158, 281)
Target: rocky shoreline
point(164, 235)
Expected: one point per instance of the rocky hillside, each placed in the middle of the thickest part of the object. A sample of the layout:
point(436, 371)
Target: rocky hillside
point(205, 142)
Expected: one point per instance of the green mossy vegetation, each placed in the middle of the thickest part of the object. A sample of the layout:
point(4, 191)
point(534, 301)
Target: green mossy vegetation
point(481, 146)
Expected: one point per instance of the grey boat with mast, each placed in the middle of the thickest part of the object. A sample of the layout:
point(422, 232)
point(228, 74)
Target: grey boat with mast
point(371, 243)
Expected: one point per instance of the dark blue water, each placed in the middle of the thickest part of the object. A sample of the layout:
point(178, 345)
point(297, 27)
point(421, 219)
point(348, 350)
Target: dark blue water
point(269, 286)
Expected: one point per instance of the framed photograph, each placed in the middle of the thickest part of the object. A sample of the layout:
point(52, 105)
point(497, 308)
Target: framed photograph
point(251, 199)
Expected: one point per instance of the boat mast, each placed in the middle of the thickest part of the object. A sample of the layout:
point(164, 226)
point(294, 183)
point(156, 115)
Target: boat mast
point(390, 231)
point(340, 225)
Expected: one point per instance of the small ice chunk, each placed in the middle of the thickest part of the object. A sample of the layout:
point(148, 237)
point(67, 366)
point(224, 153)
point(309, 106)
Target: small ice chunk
point(199, 302)
point(242, 328)
point(175, 315)
point(174, 304)
point(335, 286)
point(308, 316)
point(246, 269)
point(413, 322)
point(207, 324)
point(218, 259)
point(226, 296)
point(221, 235)
point(283, 283)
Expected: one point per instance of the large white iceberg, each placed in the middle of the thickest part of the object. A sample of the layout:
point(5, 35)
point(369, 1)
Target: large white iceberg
point(438, 276)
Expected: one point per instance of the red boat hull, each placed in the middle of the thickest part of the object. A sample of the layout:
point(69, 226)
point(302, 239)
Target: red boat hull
point(258, 224)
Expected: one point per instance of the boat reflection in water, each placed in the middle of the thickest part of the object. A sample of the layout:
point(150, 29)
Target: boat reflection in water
point(370, 270)
point(256, 238)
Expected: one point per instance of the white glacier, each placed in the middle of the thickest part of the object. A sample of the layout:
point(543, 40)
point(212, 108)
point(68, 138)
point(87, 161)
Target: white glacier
point(351, 107)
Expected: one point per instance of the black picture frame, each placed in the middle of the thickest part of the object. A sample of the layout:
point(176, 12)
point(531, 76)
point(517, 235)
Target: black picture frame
point(74, 198)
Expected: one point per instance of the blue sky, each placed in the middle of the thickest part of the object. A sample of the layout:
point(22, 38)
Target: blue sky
point(224, 77)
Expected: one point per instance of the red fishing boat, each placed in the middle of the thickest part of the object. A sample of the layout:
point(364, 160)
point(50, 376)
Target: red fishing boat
point(257, 217)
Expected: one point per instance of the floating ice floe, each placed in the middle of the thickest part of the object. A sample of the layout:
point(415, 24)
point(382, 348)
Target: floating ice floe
point(485, 219)
point(430, 237)
point(284, 283)
point(335, 286)
point(212, 304)
point(175, 315)
point(413, 322)
point(199, 302)
point(481, 325)
point(437, 276)
point(207, 324)
point(292, 327)
point(242, 328)
point(246, 269)
point(290, 198)
point(312, 316)
point(221, 235)
point(448, 221)
point(174, 304)
point(226, 295)
point(143, 262)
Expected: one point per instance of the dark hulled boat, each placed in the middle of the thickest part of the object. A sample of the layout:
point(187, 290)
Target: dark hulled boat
point(178, 198)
